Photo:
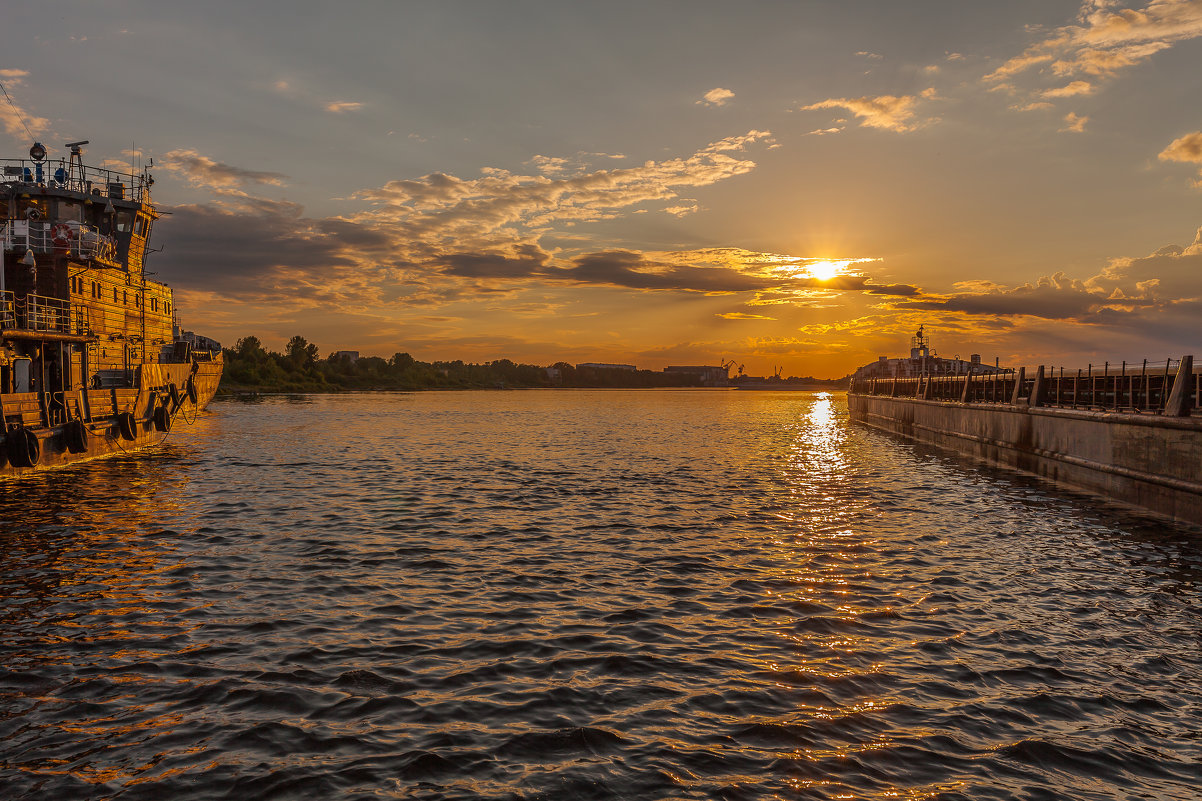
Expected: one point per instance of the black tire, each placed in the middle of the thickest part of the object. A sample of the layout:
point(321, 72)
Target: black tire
point(162, 419)
point(24, 447)
point(193, 394)
point(176, 398)
point(76, 434)
point(128, 426)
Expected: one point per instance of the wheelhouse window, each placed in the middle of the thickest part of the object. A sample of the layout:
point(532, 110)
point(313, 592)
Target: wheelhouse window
point(70, 211)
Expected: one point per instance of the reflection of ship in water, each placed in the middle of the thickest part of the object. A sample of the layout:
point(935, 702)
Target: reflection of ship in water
point(92, 359)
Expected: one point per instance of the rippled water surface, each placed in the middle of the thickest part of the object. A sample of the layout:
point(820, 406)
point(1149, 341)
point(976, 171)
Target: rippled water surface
point(556, 595)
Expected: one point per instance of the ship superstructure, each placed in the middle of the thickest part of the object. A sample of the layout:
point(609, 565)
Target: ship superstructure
point(89, 346)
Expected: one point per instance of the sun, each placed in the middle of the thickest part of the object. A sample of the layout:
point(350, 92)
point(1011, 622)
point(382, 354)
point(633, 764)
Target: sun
point(825, 270)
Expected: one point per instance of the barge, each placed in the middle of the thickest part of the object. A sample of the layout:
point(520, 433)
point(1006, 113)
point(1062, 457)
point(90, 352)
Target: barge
point(93, 360)
point(1132, 433)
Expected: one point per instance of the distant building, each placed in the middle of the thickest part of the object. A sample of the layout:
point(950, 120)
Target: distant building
point(708, 376)
point(599, 366)
point(350, 355)
point(553, 373)
point(924, 361)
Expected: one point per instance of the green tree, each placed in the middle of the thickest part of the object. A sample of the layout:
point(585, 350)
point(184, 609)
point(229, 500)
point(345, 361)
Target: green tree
point(300, 353)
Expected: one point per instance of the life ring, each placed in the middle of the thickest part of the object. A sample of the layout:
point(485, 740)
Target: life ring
point(61, 235)
point(24, 447)
point(193, 394)
point(76, 434)
point(162, 419)
point(127, 426)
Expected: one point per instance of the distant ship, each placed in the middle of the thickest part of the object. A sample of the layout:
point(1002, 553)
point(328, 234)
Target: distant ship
point(92, 358)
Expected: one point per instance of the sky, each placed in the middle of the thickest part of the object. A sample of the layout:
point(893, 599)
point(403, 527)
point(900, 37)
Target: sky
point(791, 186)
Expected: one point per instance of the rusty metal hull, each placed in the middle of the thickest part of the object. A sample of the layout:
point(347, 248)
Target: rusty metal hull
point(100, 412)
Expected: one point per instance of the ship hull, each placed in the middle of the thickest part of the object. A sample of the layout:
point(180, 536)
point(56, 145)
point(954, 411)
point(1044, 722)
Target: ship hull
point(115, 420)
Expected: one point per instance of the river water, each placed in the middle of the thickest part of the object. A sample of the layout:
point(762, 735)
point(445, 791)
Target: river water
point(585, 594)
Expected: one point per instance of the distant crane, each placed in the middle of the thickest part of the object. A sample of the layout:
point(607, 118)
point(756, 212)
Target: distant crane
point(727, 365)
point(776, 372)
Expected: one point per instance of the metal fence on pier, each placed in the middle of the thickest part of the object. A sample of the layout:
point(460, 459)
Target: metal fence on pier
point(1170, 387)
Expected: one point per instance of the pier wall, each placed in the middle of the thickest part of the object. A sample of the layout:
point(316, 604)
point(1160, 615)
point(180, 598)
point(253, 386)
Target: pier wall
point(1151, 461)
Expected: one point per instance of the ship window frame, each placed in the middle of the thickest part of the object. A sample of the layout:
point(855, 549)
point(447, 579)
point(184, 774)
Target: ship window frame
point(69, 211)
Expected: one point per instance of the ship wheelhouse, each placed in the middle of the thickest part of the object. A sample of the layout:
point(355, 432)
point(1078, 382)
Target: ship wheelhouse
point(76, 310)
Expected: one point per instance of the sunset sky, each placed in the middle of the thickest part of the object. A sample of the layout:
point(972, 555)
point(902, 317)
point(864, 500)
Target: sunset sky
point(784, 184)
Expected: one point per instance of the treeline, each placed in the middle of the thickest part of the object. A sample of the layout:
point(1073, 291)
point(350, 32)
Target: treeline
point(251, 367)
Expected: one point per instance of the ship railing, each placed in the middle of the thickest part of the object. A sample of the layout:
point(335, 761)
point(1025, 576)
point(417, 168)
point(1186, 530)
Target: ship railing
point(1169, 387)
point(76, 177)
point(40, 313)
point(67, 238)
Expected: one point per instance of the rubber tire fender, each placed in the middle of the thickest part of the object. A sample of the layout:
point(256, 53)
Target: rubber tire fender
point(24, 447)
point(76, 434)
point(162, 419)
point(193, 394)
point(173, 391)
point(127, 425)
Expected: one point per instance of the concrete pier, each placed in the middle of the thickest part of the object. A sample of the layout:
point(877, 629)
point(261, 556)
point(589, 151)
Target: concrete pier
point(1149, 457)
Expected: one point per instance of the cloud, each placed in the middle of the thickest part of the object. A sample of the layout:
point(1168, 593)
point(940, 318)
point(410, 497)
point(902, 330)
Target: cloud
point(343, 106)
point(682, 211)
point(716, 97)
point(14, 119)
point(201, 170)
point(743, 316)
point(1074, 123)
point(1072, 90)
point(1186, 149)
point(1150, 301)
point(1053, 297)
point(500, 208)
point(886, 111)
point(1105, 40)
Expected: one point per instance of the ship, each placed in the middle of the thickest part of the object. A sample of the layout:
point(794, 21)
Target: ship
point(93, 359)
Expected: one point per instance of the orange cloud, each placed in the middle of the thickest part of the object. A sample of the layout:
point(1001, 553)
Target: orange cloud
point(1104, 41)
point(716, 97)
point(13, 118)
point(1072, 90)
point(203, 171)
point(1074, 123)
point(1186, 149)
point(887, 112)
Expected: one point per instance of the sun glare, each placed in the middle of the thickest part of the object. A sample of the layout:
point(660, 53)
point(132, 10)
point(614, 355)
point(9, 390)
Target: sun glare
point(825, 270)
